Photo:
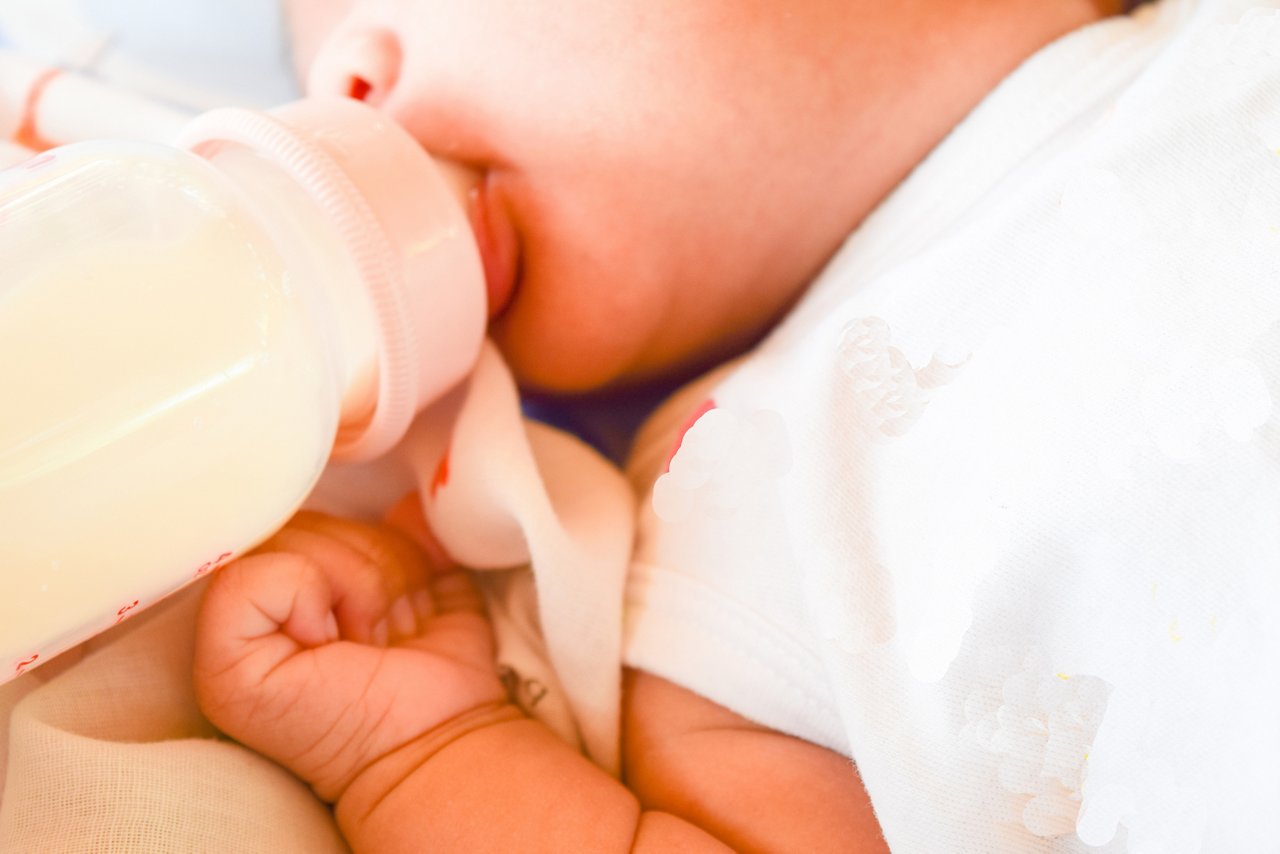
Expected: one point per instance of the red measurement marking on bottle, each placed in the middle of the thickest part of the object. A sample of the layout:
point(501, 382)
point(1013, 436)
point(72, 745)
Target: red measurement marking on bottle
point(212, 564)
point(26, 662)
point(441, 477)
point(125, 609)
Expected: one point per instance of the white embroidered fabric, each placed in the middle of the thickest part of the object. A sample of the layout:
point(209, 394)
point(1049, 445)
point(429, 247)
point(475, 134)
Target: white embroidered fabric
point(994, 511)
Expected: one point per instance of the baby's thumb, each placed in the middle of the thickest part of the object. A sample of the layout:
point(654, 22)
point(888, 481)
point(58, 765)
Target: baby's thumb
point(257, 612)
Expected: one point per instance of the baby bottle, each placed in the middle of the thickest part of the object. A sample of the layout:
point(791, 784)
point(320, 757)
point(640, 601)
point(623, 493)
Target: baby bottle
point(188, 334)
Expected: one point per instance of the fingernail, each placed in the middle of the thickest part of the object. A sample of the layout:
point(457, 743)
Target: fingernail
point(402, 618)
point(421, 600)
point(380, 633)
point(331, 628)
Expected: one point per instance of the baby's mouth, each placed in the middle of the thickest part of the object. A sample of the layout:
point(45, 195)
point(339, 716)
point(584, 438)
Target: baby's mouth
point(498, 243)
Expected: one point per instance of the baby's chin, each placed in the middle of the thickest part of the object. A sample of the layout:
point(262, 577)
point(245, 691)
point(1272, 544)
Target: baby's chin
point(557, 367)
point(560, 371)
point(599, 347)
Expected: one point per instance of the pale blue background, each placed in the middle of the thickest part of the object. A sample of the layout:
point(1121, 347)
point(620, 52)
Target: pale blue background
point(236, 47)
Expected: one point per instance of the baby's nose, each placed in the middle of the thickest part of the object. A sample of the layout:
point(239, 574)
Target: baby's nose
point(360, 64)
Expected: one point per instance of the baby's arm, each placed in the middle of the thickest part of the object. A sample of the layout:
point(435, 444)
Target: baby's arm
point(701, 773)
point(308, 653)
point(493, 780)
point(753, 787)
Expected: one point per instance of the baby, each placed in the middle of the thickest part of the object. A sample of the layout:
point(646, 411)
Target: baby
point(884, 533)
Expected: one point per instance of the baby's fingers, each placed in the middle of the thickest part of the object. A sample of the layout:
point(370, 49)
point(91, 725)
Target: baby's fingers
point(368, 570)
point(257, 613)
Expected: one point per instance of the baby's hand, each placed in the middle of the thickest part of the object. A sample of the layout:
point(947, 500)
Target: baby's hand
point(336, 642)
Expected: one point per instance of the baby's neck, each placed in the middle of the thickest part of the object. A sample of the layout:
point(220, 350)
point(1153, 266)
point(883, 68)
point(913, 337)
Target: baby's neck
point(945, 57)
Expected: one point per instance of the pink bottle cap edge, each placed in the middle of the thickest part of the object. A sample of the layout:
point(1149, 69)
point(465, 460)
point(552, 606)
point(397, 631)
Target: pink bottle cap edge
point(405, 383)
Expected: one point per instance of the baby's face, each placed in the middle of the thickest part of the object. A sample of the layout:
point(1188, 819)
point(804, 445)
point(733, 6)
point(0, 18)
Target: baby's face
point(650, 171)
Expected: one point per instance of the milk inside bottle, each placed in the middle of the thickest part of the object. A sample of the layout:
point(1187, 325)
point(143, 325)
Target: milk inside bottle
point(187, 336)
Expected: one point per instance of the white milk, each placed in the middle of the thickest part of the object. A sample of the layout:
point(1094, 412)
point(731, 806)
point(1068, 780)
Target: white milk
point(161, 384)
point(187, 335)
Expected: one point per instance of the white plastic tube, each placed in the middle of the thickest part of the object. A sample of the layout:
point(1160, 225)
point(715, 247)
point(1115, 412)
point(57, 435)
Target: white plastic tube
point(42, 106)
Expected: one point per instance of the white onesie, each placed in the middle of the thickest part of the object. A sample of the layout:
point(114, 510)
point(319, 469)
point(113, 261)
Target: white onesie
point(996, 510)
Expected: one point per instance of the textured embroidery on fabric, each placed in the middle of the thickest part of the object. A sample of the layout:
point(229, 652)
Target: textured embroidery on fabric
point(1040, 724)
point(724, 460)
point(707, 405)
point(1140, 792)
point(881, 396)
point(890, 394)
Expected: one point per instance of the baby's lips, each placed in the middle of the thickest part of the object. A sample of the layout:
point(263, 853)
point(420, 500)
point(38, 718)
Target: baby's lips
point(499, 248)
point(494, 233)
point(491, 226)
